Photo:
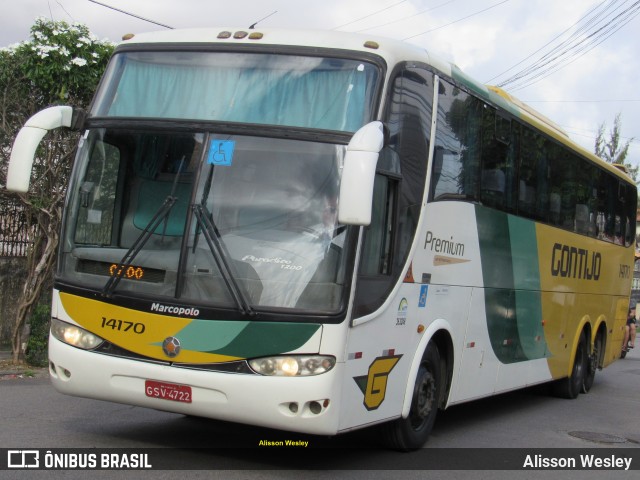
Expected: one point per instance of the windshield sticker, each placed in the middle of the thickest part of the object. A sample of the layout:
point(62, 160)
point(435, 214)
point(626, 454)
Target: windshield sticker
point(221, 152)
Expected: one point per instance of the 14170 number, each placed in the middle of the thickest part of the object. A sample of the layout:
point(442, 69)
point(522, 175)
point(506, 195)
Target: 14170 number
point(123, 325)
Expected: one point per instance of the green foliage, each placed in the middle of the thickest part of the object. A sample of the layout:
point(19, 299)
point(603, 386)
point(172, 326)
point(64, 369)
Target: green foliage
point(60, 64)
point(63, 62)
point(37, 345)
point(612, 149)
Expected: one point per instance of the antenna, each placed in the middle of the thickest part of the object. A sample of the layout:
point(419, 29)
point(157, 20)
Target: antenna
point(254, 25)
point(131, 14)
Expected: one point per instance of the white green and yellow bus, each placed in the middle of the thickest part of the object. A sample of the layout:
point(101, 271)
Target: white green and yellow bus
point(319, 232)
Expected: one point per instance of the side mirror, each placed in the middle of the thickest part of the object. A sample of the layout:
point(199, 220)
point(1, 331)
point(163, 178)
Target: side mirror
point(27, 141)
point(358, 175)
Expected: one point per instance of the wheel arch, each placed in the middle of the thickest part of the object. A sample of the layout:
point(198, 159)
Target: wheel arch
point(600, 328)
point(584, 327)
point(440, 333)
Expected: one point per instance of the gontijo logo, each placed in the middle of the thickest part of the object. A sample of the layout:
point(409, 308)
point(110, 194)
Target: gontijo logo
point(573, 262)
point(374, 384)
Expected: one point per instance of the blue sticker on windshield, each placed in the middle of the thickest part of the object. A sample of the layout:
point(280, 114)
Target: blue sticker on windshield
point(221, 152)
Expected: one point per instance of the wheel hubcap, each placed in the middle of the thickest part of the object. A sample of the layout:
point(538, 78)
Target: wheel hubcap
point(424, 399)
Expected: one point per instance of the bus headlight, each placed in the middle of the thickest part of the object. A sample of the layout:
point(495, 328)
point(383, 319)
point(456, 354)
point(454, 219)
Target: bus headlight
point(74, 335)
point(293, 365)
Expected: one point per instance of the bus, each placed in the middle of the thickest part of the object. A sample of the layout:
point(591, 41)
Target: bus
point(318, 232)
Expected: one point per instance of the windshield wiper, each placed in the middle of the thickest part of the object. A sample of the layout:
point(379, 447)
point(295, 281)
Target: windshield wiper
point(149, 229)
point(212, 236)
point(162, 215)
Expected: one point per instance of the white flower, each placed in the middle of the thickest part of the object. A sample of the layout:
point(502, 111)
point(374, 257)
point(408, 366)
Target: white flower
point(43, 50)
point(81, 62)
point(64, 51)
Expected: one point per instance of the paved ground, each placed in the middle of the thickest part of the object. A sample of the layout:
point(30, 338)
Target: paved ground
point(9, 370)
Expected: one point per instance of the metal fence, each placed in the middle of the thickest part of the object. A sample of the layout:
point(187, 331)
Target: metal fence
point(15, 231)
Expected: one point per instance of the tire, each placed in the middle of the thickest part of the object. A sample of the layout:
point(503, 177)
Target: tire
point(412, 432)
point(592, 364)
point(571, 386)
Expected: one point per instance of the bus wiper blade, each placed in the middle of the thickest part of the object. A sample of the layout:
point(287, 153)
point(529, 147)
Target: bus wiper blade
point(149, 229)
point(212, 237)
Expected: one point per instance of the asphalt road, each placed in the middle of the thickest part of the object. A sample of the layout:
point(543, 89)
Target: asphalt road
point(34, 416)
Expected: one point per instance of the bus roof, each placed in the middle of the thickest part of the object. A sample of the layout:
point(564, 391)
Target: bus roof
point(392, 51)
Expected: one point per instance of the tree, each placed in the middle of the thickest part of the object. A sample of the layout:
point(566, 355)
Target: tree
point(61, 64)
point(612, 150)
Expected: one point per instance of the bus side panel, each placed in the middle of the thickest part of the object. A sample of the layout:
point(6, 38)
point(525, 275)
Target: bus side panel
point(381, 351)
point(378, 357)
point(478, 367)
point(383, 346)
point(583, 280)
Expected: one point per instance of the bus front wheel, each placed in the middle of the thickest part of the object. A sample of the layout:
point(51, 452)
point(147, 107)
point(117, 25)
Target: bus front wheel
point(412, 432)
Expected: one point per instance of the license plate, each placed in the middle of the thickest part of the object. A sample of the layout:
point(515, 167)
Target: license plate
point(167, 391)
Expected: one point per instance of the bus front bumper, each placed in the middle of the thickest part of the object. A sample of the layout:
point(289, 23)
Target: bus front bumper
point(297, 404)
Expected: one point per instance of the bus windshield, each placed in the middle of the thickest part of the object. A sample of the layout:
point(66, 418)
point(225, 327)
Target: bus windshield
point(269, 89)
point(235, 221)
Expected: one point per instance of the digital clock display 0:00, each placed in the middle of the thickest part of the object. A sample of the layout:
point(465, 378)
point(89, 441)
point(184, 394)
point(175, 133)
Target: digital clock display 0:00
point(131, 272)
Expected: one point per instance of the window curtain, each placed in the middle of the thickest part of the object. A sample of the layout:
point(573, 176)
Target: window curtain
point(320, 98)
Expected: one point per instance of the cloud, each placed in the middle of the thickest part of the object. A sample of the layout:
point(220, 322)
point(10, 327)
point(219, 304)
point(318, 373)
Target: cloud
point(483, 43)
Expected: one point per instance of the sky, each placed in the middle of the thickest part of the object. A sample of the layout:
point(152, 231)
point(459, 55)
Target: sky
point(575, 61)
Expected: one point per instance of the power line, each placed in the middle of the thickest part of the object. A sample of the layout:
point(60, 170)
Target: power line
point(546, 44)
point(406, 18)
point(131, 14)
point(603, 23)
point(369, 15)
point(581, 48)
point(456, 21)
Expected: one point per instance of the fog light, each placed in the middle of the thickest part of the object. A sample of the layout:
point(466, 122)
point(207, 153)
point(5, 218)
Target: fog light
point(293, 407)
point(315, 407)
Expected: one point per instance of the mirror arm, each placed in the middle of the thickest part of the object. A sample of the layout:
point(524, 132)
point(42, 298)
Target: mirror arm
point(30, 136)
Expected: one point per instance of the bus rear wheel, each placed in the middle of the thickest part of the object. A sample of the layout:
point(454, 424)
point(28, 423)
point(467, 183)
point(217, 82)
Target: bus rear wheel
point(412, 432)
point(570, 387)
point(593, 362)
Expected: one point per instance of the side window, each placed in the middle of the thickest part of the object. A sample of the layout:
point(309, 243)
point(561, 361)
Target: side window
point(500, 142)
point(97, 196)
point(630, 207)
point(458, 145)
point(534, 199)
point(376, 253)
point(399, 187)
point(483, 155)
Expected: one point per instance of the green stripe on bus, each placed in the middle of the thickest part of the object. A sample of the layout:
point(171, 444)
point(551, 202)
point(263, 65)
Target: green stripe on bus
point(245, 339)
point(511, 279)
point(528, 297)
